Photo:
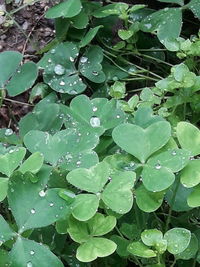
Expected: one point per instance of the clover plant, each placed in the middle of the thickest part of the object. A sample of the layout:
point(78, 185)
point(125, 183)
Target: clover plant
point(104, 169)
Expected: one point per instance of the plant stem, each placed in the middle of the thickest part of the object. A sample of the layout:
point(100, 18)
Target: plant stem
point(18, 102)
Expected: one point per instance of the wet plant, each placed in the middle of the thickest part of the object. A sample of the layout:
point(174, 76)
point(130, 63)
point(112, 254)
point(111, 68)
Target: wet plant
point(104, 169)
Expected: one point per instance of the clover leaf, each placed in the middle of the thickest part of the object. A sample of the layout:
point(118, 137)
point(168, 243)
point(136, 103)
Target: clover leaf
point(20, 78)
point(65, 147)
point(96, 115)
point(41, 207)
point(92, 246)
point(61, 73)
point(145, 141)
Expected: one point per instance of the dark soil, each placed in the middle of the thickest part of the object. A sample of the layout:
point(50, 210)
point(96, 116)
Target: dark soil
point(28, 34)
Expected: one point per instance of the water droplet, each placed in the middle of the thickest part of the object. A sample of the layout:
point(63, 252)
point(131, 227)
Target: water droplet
point(49, 60)
point(83, 59)
point(158, 166)
point(95, 73)
point(94, 109)
point(62, 83)
point(51, 204)
point(59, 69)
point(53, 51)
point(71, 59)
point(29, 264)
point(42, 193)
point(8, 132)
point(33, 211)
point(148, 26)
point(95, 122)
point(118, 116)
point(174, 153)
point(78, 162)
point(32, 252)
point(73, 92)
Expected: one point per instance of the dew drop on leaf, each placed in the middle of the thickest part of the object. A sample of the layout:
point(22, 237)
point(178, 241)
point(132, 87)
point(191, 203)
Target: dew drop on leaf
point(84, 60)
point(33, 211)
point(174, 153)
point(62, 83)
point(29, 264)
point(158, 166)
point(95, 122)
point(94, 109)
point(42, 193)
point(71, 59)
point(32, 252)
point(8, 132)
point(51, 204)
point(59, 69)
point(95, 73)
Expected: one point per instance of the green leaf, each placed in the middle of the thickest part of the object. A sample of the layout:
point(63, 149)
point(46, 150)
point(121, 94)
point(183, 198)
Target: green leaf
point(9, 62)
point(29, 253)
point(179, 2)
point(64, 146)
point(178, 240)
point(173, 159)
point(67, 9)
point(118, 90)
point(190, 175)
point(95, 247)
point(11, 160)
point(145, 142)
point(125, 34)
point(148, 201)
point(194, 198)
point(167, 22)
point(23, 79)
point(6, 233)
point(80, 21)
point(32, 164)
point(154, 237)
point(8, 136)
point(89, 36)
point(112, 9)
point(151, 237)
point(96, 115)
point(91, 180)
point(101, 225)
point(118, 195)
point(157, 178)
point(140, 250)
point(122, 245)
point(45, 117)
point(194, 6)
point(90, 64)
point(181, 193)
point(144, 117)
point(4, 257)
point(190, 251)
point(189, 137)
point(78, 231)
point(40, 207)
point(85, 206)
point(3, 188)
point(60, 71)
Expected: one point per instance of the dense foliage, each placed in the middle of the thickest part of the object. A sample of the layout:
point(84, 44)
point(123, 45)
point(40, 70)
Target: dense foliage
point(105, 169)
